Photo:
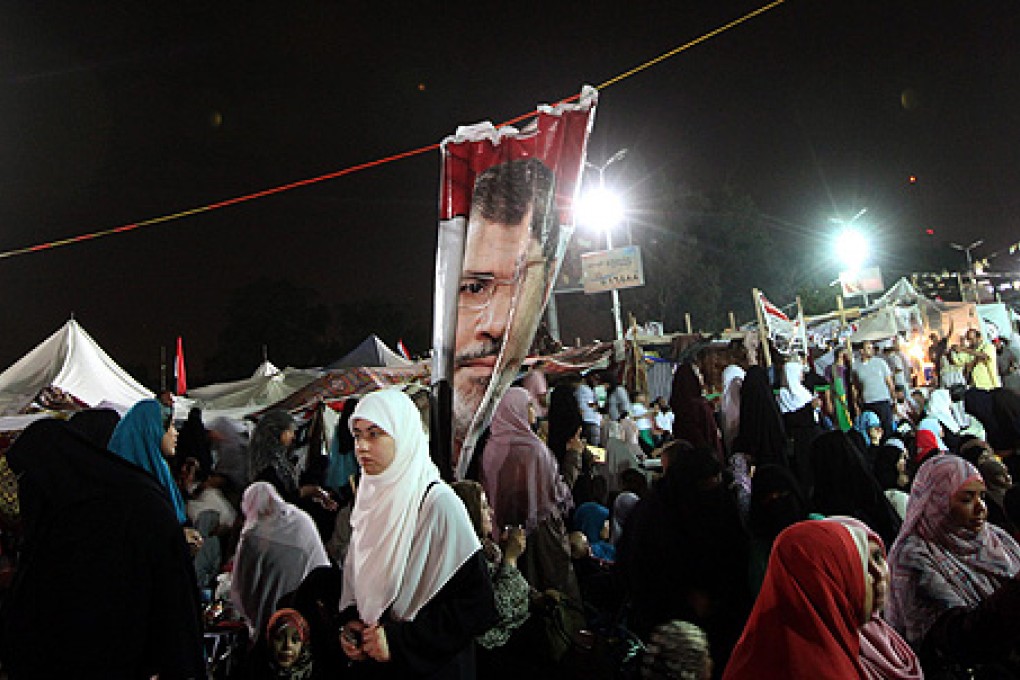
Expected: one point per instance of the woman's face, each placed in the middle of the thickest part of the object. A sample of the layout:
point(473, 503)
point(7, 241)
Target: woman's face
point(286, 645)
point(168, 444)
point(486, 516)
point(876, 580)
point(287, 437)
point(875, 435)
point(967, 509)
point(374, 448)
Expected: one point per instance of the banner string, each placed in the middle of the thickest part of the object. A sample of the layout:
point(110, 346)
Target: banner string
point(369, 164)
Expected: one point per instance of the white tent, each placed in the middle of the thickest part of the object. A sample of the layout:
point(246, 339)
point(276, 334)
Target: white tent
point(266, 386)
point(72, 361)
point(881, 325)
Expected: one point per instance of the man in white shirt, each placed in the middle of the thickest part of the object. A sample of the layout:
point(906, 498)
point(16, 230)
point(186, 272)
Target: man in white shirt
point(590, 418)
point(663, 422)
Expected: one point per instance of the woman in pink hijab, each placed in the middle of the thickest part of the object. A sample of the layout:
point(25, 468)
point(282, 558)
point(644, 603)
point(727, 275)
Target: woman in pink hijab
point(955, 577)
point(524, 487)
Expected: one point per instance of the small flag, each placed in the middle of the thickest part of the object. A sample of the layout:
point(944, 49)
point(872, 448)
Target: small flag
point(402, 348)
point(179, 372)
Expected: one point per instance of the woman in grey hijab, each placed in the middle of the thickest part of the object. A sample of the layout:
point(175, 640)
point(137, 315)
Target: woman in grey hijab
point(270, 460)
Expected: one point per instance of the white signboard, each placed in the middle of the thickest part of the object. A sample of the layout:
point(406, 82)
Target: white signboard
point(863, 282)
point(613, 269)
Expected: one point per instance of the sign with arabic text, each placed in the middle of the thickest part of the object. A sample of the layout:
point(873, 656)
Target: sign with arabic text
point(613, 269)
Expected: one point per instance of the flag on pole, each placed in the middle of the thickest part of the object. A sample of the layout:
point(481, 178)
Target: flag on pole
point(179, 372)
point(402, 348)
point(789, 335)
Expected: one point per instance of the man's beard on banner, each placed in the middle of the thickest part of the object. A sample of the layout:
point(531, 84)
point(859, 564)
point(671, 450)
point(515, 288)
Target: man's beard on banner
point(468, 390)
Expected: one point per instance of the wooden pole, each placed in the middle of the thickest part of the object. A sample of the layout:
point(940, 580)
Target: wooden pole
point(733, 322)
point(842, 321)
point(763, 331)
point(803, 330)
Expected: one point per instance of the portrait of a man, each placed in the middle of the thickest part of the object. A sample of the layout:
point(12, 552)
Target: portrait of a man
point(509, 257)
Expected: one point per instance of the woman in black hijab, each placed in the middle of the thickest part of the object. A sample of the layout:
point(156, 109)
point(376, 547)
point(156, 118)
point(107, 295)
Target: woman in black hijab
point(105, 586)
point(761, 435)
point(193, 442)
point(688, 534)
point(564, 417)
point(844, 486)
point(95, 424)
point(694, 417)
point(776, 503)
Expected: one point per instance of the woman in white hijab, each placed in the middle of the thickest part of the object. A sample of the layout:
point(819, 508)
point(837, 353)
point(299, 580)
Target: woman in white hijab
point(279, 545)
point(416, 586)
point(796, 403)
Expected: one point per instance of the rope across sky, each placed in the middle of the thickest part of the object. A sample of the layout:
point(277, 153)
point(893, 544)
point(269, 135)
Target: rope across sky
point(49, 245)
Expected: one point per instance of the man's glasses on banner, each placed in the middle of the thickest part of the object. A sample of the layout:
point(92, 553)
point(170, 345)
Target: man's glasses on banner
point(477, 291)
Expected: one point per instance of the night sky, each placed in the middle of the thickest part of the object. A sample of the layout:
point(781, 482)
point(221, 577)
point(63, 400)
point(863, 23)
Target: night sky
point(112, 113)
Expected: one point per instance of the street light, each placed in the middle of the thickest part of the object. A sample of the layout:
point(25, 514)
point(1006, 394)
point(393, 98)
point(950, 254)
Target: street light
point(851, 246)
point(604, 211)
point(970, 264)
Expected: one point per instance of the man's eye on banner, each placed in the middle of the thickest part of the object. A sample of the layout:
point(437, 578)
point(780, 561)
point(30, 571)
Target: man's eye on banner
point(505, 220)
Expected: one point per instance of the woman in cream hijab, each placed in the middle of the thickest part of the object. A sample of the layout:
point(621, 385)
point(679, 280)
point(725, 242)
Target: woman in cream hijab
point(416, 586)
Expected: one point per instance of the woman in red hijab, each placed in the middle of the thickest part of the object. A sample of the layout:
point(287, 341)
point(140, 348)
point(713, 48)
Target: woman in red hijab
point(884, 654)
point(817, 594)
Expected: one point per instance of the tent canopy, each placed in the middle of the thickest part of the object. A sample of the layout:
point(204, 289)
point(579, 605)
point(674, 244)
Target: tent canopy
point(372, 353)
point(267, 385)
point(73, 362)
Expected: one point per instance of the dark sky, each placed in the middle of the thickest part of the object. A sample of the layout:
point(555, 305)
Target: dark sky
point(111, 113)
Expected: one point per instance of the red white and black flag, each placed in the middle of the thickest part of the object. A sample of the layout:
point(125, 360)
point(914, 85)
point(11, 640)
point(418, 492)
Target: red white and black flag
point(506, 215)
point(788, 335)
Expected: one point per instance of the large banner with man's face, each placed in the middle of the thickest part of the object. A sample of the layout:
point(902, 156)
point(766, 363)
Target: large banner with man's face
point(506, 201)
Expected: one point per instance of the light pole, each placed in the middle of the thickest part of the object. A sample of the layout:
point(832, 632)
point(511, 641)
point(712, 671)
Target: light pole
point(604, 211)
point(970, 265)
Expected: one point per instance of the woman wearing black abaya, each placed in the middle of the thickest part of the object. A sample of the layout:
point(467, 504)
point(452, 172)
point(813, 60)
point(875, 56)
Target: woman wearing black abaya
point(776, 503)
point(193, 442)
point(796, 403)
point(95, 424)
point(105, 587)
point(844, 486)
point(761, 435)
point(684, 553)
point(564, 418)
point(694, 418)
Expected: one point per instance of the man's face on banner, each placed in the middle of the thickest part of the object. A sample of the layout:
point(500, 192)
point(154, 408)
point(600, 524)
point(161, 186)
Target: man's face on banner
point(497, 256)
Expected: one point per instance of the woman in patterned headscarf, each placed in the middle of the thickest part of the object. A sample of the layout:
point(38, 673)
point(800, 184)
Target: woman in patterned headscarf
point(270, 460)
point(955, 593)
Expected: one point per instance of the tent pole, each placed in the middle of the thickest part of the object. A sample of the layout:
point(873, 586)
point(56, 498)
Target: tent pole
point(763, 333)
point(162, 368)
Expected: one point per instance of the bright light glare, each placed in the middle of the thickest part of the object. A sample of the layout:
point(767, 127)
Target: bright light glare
point(852, 249)
point(600, 209)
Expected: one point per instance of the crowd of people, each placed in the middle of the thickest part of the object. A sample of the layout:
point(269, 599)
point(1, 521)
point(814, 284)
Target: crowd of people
point(812, 518)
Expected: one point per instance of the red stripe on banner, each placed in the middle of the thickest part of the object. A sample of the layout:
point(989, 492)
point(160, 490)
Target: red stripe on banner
point(772, 310)
point(557, 139)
